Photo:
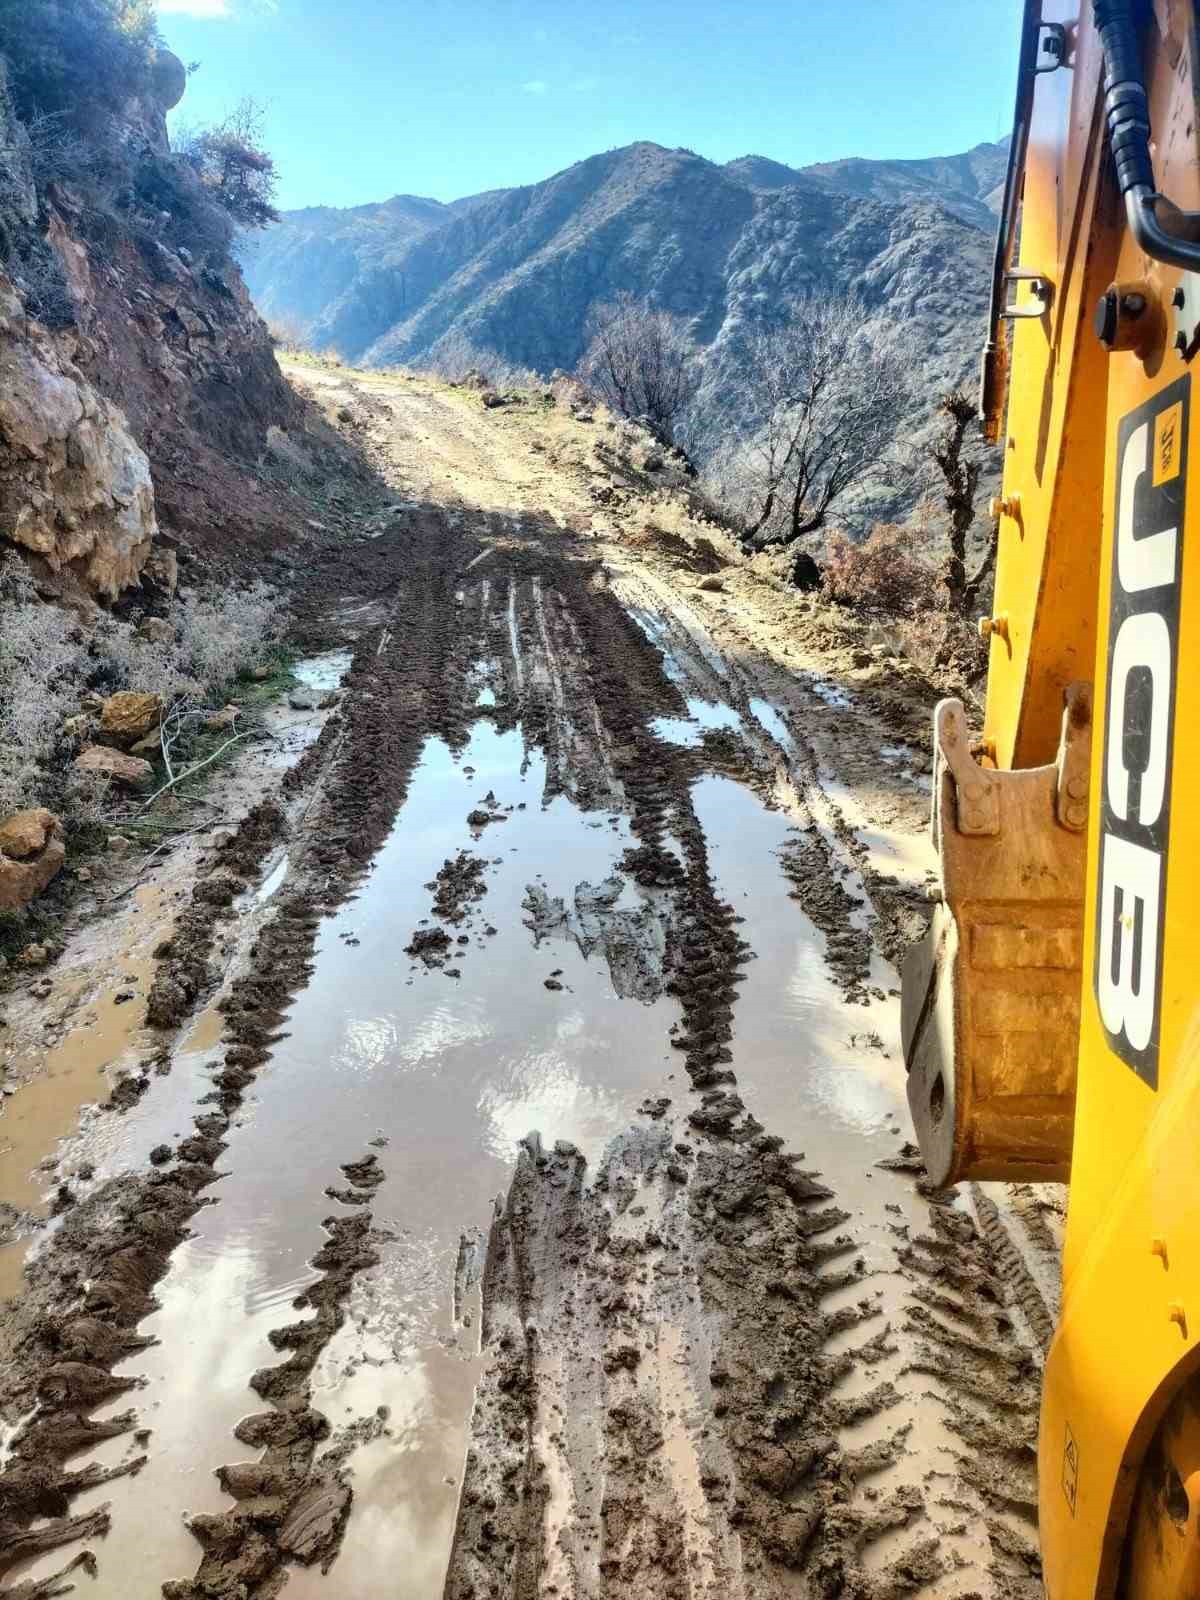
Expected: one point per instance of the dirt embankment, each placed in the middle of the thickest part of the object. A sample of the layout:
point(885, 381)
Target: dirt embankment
point(702, 1374)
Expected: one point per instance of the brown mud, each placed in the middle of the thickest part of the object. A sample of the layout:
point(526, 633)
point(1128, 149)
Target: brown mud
point(707, 1364)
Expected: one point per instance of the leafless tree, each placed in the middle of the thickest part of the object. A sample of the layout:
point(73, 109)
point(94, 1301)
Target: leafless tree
point(830, 391)
point(641, 363)
point(959, 469)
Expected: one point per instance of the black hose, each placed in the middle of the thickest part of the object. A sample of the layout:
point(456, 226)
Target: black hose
point(1127, 113)
point(1126, 108)
point(990, 390)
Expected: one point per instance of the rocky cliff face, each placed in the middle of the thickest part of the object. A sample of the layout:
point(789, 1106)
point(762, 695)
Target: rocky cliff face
point(129, 363)
point(75, 487)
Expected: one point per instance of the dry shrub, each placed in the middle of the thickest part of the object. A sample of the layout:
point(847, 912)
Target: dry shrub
point(886, 580)
point(218, 637)
point(883, 574)
point(455, 358)
point(944, 644)
point(43, 662)
point(48, 659)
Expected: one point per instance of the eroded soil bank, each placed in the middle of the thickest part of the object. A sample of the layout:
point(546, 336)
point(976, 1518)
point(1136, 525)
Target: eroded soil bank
point(527, 1209)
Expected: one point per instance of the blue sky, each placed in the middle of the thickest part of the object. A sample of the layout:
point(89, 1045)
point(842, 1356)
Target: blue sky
point(369, 98)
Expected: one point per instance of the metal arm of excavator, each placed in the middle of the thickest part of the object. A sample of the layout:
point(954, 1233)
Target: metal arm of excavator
point(1051, 1017)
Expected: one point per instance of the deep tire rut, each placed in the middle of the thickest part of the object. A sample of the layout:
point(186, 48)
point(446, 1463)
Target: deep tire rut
point(700, 1377)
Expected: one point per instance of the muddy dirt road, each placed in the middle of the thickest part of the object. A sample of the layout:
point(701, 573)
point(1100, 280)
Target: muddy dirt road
point(527, 1209)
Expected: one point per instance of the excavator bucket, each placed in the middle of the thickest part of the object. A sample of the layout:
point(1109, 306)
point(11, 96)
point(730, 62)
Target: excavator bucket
point(990, 1014)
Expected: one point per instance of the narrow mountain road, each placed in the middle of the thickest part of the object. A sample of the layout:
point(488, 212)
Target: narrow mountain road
point(566, 1240)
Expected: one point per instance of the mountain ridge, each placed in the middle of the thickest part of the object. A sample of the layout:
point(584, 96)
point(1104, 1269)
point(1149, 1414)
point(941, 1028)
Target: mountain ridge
point(347, 277)
point(725, 248)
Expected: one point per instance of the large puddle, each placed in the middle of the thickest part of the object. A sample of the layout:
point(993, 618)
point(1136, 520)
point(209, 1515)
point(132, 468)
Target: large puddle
point(443, 1074)
point(451, 1072)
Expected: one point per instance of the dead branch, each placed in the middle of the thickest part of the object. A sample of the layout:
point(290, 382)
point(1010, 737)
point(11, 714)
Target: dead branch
point(191, 771)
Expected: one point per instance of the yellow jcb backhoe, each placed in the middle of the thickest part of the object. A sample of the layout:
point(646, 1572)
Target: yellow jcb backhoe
point(1052, 1016)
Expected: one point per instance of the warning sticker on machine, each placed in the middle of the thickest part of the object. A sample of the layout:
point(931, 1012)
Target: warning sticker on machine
point(1168, 443)
point(1143, 635)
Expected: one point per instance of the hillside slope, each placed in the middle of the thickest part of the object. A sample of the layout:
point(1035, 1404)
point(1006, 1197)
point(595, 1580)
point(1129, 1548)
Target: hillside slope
point(140, 401)
point(517, 270)
point(968, 184)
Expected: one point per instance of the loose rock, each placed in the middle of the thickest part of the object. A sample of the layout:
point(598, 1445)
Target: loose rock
point(129, 716)
point(126, 771)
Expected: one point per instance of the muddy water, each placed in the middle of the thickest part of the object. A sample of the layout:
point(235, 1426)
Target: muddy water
point(443, 1074)
point(829, 1078)
point(452, 1073)
point(104, 1036)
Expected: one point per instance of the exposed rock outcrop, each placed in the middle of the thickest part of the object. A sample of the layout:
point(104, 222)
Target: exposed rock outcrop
point(75, 486)
point(138, 384)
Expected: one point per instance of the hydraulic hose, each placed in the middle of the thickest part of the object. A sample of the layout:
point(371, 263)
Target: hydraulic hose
point(991, 377)
point(1127, 113)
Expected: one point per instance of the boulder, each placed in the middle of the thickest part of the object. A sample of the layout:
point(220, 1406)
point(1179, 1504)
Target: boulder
point(129, 716)
point(302, 700)
point(711, 584)
point(28, 874)
point(806, 574)
point(168, 79)
point(25, 834)
point(127, 772)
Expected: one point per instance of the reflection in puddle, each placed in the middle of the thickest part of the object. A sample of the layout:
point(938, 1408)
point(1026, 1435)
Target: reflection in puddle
point(689, 730)
point(831, 693)
point(768, 717)
point(449, 1073)
point(453, 1073)
point(272, 881)
point(792, 1054)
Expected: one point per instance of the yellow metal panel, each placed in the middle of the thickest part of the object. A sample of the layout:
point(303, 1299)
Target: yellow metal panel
point(1046, 571)
point(1131, 1303)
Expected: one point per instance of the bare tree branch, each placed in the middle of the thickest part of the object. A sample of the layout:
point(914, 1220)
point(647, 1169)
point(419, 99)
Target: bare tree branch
point(829, 390)
point(641, 363)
